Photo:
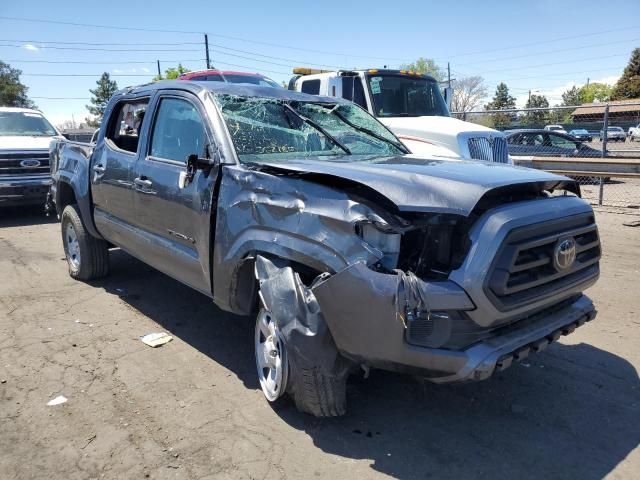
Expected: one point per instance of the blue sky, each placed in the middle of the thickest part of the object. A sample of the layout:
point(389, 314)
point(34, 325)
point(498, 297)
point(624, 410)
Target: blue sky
point(539, 45)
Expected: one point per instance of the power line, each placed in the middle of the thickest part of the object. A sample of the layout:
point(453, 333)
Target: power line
point(294, 62)
point(60, 98)
point(290, 47)
point(91, 25)
point(584, 72)
point(86, 74)
point(531, 44)
point(106, 62)
point(92, 49)
point(101, 43)
point(229, 37)
point(551, 51)
point(553, 63)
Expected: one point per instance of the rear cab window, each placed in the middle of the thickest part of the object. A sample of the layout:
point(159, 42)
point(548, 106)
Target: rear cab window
point(311, 87)
point(123, 130)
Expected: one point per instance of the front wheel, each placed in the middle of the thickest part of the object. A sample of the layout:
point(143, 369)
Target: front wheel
point(87, 256)
point(271, 357)
point(314, 390)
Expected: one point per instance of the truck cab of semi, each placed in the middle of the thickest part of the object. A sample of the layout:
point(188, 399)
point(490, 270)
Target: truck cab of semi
point(412, 106)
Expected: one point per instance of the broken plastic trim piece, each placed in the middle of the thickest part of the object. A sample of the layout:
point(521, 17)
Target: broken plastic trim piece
point(297, 314)
point(411, 297)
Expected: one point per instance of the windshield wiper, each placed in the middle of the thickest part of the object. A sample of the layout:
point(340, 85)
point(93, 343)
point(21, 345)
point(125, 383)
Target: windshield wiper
point(398, 145)
point(313, 124)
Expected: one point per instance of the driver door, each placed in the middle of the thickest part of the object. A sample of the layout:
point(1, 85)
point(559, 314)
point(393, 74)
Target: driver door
point(173, 215)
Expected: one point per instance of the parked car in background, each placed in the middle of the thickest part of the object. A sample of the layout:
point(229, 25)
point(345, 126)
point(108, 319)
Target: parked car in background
point(547, 143)
point(412, 106)
point(614, 134)
point(634, 133)
point(581, 134)
point(230, 77)
point(555, 128)
point(308, 214)
point(25, 135)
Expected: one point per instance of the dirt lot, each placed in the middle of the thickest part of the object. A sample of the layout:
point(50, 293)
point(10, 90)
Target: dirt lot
point(192, 408)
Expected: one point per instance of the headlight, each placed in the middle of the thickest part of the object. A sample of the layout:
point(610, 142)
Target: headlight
point(388, 242)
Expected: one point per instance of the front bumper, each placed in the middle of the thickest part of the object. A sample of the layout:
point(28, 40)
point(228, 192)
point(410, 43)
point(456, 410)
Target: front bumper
point(359, 306)
point(24, 190)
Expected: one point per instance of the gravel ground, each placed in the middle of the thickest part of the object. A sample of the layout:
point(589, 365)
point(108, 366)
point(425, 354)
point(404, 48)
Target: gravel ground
point(192, 408)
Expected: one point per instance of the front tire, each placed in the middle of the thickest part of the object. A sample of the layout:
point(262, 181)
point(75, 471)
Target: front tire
point(87, 256)
point(313, 390)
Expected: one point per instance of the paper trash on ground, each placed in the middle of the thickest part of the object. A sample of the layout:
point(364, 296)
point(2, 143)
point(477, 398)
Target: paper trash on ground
point(156, 339)
point(60, 399)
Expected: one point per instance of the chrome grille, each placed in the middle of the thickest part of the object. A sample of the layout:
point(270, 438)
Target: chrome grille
point(24, 163)
point(525, 270)
point(490, 149)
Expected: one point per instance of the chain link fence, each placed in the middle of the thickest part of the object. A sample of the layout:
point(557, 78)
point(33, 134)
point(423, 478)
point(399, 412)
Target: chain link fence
point(597, 144)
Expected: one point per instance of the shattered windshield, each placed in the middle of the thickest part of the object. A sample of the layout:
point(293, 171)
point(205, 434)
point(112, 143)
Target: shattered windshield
point(398, 95)
point(269, 129)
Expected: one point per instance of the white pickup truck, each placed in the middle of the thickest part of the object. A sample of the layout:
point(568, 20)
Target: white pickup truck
point(24, 156)
point(634, 133)
point(411, 105)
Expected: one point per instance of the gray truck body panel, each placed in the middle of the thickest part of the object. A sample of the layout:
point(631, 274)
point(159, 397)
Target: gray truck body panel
point(213, 234)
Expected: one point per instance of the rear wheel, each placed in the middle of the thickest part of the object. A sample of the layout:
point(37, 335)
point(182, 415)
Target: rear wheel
point(87, 256)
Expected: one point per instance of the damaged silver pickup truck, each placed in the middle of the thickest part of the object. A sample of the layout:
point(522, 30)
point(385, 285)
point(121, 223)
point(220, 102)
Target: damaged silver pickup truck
point(309, 214)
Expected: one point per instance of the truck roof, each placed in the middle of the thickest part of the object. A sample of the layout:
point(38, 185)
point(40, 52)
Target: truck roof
point(197, 87)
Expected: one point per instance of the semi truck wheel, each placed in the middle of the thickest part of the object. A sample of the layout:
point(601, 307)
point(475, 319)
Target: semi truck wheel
point(87, 256)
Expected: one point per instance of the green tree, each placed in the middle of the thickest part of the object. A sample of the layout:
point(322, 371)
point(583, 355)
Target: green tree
point(101, 95)
point(571, 97)
point(536, 117)
point(12, 92)
point(592, 92)
point(172, 73)
point(501, 100)
point(425, 66)
point(628, 86)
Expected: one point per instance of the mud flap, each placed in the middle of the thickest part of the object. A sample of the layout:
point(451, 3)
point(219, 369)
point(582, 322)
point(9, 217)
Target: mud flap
point(298, 317)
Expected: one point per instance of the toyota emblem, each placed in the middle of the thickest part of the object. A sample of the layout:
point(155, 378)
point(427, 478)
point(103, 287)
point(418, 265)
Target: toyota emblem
point(564, 254)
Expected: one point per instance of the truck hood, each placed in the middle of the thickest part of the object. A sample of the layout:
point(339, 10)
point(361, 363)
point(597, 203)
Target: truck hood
point(434, 125)
point(414, 183)
point(25, 142)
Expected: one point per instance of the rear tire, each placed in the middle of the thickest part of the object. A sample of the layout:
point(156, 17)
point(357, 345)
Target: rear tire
point(87, 256)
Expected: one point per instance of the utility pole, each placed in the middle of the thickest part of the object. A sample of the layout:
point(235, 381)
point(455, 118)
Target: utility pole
point(587, 81)
point(449, 74)
point(529, 102)
point(159, 73)
point(206, 47)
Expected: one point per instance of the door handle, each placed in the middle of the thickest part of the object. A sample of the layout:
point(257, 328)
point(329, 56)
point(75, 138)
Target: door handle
point(99, 168)
point(142, 182)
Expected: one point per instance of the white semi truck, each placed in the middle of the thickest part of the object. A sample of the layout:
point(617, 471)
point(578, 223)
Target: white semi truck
point(412, 106)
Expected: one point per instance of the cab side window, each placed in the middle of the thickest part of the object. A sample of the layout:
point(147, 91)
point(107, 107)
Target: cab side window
point(311, 87)
point(178, 131)
point(125, 124)
point(562, 142)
